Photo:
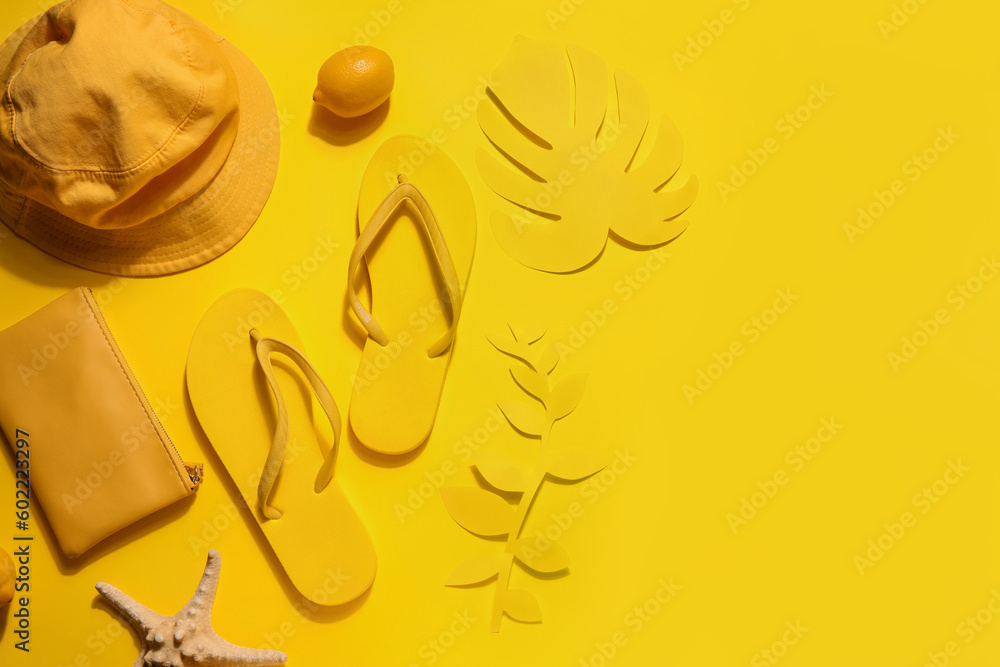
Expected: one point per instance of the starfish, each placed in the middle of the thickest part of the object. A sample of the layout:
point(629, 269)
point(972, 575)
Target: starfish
point(187, 637)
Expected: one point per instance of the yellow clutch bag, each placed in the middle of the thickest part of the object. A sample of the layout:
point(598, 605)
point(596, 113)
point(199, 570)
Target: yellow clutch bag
point(97, 456)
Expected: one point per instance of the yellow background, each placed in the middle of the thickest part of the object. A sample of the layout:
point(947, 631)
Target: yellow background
point(665, 516)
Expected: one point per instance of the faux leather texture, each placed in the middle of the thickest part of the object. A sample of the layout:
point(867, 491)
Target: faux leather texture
point(99, 457)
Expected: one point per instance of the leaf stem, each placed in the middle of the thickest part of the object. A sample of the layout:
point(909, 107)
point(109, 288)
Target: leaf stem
point(503, 583)
point(503, 578)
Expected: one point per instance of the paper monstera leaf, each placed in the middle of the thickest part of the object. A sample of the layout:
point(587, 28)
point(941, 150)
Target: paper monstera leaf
point(569, 157)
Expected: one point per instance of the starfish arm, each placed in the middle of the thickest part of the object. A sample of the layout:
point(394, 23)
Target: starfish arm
point(142, 618)
point(220, 652)
point(200, 604)
point(188, 634)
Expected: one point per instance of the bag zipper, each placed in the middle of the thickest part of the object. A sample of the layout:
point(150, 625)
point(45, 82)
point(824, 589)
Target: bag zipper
point(194, 470)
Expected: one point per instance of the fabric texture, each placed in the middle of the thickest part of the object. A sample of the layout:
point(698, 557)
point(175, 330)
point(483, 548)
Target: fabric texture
point(133, 140)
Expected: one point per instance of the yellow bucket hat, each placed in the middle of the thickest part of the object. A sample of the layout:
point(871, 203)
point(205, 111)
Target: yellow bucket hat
point(133, 140)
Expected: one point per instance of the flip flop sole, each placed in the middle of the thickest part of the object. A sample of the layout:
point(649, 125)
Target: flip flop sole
point(319, 539)
point(398, 387)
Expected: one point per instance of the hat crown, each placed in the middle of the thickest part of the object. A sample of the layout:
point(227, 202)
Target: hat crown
point(106, 99)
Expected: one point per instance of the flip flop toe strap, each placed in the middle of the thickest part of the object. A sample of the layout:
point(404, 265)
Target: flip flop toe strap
point(265, 347)
point(406, 192)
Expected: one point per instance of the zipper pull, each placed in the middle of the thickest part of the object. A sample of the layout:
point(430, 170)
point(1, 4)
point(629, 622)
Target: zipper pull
point(195, 471)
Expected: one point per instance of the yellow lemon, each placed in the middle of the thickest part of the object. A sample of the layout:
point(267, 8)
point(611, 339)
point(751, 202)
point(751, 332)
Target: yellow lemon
point(7, 571)
point(355, 81)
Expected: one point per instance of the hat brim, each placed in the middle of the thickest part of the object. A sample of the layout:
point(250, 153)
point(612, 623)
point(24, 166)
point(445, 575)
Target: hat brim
point(190, 234)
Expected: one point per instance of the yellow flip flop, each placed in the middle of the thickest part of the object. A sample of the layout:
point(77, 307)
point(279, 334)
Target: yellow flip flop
point(417, 235)
point(251, 388)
